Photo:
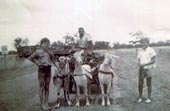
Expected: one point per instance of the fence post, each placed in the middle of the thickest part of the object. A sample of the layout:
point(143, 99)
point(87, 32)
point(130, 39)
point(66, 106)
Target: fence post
point(5, 66)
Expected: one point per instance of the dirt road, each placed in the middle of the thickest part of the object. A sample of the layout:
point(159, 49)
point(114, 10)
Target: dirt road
point(21, 93)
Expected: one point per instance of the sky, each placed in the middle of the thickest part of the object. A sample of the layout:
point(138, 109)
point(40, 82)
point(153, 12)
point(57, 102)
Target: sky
point(104, 20)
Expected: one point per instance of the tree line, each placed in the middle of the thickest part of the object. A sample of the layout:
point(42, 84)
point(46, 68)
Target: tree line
point(97, 45)
point(118, 45)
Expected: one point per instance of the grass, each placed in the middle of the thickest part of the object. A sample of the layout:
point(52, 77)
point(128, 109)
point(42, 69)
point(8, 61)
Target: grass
point(16, 72)
point(13, 96)
point(19, 91)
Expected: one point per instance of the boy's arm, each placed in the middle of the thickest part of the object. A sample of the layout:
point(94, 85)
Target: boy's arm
point(53, 60)
point(153, 56)
point(138, 57)
point(33, 59)
point(151, 62)
point(54, 63)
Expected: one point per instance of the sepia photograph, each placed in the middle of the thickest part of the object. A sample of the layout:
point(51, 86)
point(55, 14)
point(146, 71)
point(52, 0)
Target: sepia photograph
point(84, 55)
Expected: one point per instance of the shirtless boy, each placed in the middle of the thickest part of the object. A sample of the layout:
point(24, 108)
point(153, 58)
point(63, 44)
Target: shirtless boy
point(44, 59)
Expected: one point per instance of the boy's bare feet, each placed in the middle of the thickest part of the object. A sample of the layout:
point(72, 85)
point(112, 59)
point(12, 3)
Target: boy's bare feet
point(44, 107)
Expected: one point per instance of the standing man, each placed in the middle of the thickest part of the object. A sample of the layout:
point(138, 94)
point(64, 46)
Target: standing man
point(84, 40)
point(146, 57)
point(44, 59)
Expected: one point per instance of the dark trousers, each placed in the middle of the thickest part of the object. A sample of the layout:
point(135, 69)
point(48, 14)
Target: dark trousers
point(144, 73)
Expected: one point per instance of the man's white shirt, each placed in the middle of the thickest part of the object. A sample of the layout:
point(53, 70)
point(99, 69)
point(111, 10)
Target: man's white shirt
point(146, 55)
point(82, 42)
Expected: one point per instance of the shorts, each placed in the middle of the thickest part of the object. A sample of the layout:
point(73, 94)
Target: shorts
point(44, 71)
point(145, 73)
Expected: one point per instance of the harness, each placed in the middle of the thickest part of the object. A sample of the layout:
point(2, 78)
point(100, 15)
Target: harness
point(107, 73)
point(61, 77)
point(78, 74)
point(81, 75)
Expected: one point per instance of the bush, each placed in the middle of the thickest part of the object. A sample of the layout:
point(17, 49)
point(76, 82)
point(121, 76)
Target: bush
point(12, 52)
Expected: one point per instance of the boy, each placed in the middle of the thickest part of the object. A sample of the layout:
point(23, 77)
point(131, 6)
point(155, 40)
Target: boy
point(146, 57)
point(44, 59)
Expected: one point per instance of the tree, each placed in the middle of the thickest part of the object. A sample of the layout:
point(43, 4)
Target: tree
point(25, 42)
point(101, 45)
point(160, 43)
point(54, 45)
point(69, 40)
point(60, 43)
point(12, 52)
point(116, 45)
point(17, 42)
point(137, 37)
